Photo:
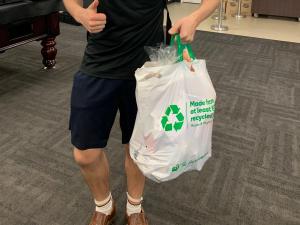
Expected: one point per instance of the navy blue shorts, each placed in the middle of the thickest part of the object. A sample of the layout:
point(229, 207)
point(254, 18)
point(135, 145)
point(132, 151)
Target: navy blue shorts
point(94, 105)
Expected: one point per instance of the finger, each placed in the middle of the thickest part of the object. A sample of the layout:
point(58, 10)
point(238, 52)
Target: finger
point(189, 40)
point(98, 17)
point(95, 30)
point(94, 5)
point(175, 29)
point(186, 40)
point(98, 27)
point(183, 35)
point(96, 23)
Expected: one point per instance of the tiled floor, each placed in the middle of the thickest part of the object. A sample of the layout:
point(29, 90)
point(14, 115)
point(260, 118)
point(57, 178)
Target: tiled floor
point(269, 28)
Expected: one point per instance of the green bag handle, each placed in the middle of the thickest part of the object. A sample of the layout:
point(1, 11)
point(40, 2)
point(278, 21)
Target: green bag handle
point(181, 47)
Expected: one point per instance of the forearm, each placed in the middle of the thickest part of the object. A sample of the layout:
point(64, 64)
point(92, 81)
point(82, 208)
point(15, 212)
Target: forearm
point(206, 9)
point(74, 7)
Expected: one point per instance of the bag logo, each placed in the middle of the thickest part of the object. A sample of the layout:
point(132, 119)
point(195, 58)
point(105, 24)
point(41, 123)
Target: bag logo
point(177, 125)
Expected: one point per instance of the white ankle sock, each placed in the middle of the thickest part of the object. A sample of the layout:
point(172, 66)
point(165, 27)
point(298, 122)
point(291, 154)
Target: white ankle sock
point(133, 205)
point(105, 206)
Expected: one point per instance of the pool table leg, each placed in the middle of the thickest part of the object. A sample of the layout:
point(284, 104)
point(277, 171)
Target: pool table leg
point(49, 52)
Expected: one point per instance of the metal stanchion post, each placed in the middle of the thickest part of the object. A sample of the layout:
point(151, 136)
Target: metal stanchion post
point(239, 13)
point(220, 26)
point(216, 16)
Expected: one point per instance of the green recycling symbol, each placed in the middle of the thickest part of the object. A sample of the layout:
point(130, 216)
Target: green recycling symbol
point(174, 109)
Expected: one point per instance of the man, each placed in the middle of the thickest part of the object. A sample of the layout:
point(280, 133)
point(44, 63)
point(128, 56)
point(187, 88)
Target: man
point(118, 30)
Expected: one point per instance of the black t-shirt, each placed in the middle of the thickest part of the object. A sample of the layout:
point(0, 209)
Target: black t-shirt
point(118, 50)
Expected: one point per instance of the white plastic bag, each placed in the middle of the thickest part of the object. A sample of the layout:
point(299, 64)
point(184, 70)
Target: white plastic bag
point(173, 128)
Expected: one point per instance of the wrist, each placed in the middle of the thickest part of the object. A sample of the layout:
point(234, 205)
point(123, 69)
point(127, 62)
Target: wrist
point(195, 19)
point(78, 12)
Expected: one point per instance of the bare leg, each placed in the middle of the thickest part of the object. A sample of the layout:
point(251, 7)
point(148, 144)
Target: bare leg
point(95, 170)
point(135, 178)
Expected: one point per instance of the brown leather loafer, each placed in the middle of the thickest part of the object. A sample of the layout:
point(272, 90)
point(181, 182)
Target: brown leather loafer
point(137, 219)
point(103, 219)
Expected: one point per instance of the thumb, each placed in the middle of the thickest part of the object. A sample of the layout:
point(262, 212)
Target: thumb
point(175, 29)
point(93, 6)
point(186, 56)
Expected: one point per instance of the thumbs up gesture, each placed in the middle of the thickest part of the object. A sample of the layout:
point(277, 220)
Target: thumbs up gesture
point(93, 21)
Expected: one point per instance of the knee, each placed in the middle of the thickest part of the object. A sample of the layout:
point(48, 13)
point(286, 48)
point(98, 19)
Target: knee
point(87, 157)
